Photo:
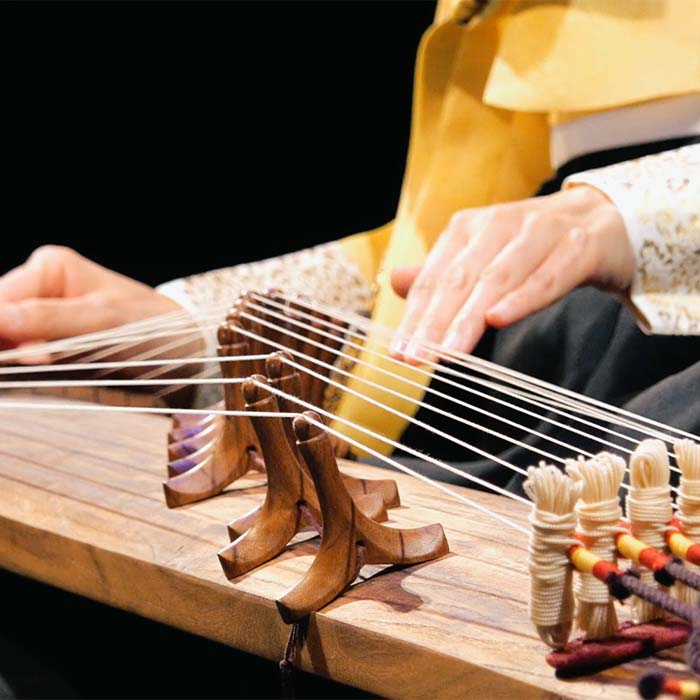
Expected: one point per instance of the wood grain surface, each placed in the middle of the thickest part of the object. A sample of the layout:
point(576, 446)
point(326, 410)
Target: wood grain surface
point(81, 507)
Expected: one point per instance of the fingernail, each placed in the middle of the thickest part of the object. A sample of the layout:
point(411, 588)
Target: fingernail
point(453, 342)
point(501, 312)
point(416, 351)
point(398, 346)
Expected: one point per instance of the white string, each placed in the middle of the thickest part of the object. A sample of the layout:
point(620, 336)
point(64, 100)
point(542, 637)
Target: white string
point(396, 445)
point(602, 415)
point(82, 383)
point(102, 408)
point(172, 383)
point(414, 421)
point(417, 402)
point(126, 331)
point(196, 381)
point(159, 351)
point(401, 378)
point(125, 364)
point(119, 342)
point(131, 333)
point(489, 368)
point(421, 477)
point(425, 426)
point(204, 374)
point(438, 369)
point(363, 322)
point(476, 380)
point(401, 415)
point(8, 355)
point(13, 405)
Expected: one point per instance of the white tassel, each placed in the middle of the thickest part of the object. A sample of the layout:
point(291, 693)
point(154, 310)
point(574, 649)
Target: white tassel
point(599, 515)
point(649, 509)
point(688, 501)
point(553, 522)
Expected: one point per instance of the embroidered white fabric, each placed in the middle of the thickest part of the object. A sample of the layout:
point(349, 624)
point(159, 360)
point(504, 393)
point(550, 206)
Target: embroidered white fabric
point(659, 199)
point(323, 273)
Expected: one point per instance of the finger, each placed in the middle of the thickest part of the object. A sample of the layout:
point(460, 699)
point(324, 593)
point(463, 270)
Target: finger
point(33, 358)
point(418, 295)
point(427, 280)
point(42, 275)
point(49, 319)
point(570, 265)
point(456, 283)
point(518, 259)
point(19, 283)
point(402, 278)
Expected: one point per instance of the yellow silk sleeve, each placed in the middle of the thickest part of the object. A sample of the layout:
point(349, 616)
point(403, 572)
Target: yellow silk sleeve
point(586, 55)
point(483, 99)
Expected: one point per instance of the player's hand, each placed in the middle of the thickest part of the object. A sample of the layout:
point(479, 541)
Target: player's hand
point(495, 265)
point(58, 293)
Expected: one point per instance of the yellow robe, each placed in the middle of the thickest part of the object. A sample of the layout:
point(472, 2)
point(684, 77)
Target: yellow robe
point(486, 93)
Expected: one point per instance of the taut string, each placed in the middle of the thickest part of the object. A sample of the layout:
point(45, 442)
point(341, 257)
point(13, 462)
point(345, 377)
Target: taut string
point(479, 364)
point(464, 404)
point(422, 404)
point(218, 381)
point(126, 364)
point(393, 443)
point(361, 322)
point(90, 341)
point(513, 393)
point(106, 408)
point(277, 414)
point(421, 477)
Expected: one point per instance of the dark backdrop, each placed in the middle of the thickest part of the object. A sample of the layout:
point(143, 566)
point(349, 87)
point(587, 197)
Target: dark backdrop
point(163, 139)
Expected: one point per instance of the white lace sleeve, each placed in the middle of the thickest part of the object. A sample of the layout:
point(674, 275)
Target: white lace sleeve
point(659, 199)
point(323, 273)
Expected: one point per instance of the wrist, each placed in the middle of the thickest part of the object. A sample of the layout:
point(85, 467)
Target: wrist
point(596, 213)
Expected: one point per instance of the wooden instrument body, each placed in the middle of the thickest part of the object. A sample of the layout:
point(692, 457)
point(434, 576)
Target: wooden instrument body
point(81, 508)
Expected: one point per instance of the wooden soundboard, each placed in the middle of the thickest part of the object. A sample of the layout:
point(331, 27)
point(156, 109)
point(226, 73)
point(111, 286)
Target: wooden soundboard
point(81, 507)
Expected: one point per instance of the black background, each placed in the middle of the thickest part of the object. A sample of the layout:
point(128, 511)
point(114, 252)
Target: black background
point(163, 139)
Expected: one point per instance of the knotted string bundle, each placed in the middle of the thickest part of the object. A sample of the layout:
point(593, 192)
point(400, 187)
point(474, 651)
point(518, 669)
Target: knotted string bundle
point(688, 506)
point(649, 509)
point(599, 515)
point(553, 520)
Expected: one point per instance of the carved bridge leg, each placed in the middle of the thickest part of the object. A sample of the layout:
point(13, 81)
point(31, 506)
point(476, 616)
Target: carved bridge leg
point(290, 503)
point(349, 539)
point(192, 443)
point(208, 454)
point(188, 424)
point(232, 448)
point(285, 378)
